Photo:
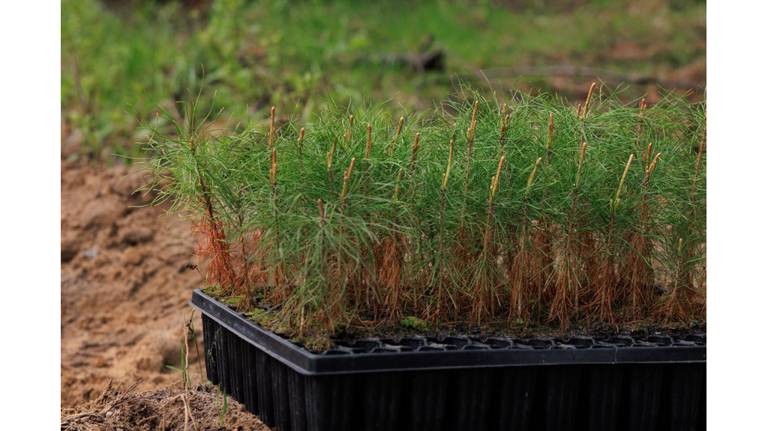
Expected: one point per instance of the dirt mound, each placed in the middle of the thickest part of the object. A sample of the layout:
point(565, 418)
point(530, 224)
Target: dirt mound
point(162, 409)
point(127, 272)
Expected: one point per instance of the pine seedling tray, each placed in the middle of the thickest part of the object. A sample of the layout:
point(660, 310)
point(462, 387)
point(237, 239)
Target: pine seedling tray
point(455, 382)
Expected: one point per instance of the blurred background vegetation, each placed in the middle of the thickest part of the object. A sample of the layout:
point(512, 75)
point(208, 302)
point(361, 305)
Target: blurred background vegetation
point(124, 61)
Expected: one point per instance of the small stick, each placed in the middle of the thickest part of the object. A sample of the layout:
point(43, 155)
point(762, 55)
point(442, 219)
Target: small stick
point(273, 168)
point(505, 117)
point(321, 208)
point(300, 139)
point(345, 184)
point(399, 129)
point(495, 181)
point(470, 143)
point(652, 167)
point(447, 173)
point(396, 194)
point(414, 151)
point(697, 166)
point(472, 128)
point(532, 176)
point(582, 156)
point(550, 135)
point(585, 108)
point(621, 182)
point(300, 147)
point(348, 133)
point(348, 171)
point(697, 169)
point(639, 127)
point(329, 156)
point(368, 142)
point(329, 162)
point(647, 155)
point(271, 137)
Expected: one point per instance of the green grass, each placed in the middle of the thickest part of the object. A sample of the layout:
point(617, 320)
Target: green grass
point(470, 214)
point(120, 66)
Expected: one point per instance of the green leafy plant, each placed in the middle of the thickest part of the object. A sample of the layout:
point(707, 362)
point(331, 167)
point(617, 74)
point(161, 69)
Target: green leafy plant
point(527, 213)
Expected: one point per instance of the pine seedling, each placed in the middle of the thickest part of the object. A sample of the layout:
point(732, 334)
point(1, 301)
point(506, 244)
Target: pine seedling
point(541, 260)
point(678, 302)
point(465, 244)
point(637, 272)
point(604, 278)
point(340, 235)
point(470, 135)
point(485, 282)
point(522, 269)
point(440, 280)
point(278, 270)
point(214, 247)
point(390, 252)
point(567, 274)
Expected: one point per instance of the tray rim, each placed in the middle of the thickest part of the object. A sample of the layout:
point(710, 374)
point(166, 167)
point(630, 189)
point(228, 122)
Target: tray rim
point(308, 363)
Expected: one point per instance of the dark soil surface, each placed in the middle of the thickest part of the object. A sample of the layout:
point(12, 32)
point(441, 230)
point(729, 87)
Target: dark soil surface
point(127, 274)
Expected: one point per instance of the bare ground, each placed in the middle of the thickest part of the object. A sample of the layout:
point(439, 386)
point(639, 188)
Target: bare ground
point(161, 409)
point(127, 272)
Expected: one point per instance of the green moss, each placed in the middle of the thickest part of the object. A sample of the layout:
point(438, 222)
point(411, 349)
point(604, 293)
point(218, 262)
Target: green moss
point(413, 322)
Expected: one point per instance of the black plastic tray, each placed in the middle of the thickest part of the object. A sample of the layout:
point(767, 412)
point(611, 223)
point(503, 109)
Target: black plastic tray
point(417, 353)
point(457, 383)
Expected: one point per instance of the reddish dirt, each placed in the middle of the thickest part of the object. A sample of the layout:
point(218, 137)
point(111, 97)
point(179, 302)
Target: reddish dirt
point(127, 272)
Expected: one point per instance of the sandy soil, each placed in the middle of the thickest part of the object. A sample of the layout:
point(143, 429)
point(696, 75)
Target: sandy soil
point(127, 272)
point(161, 409)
